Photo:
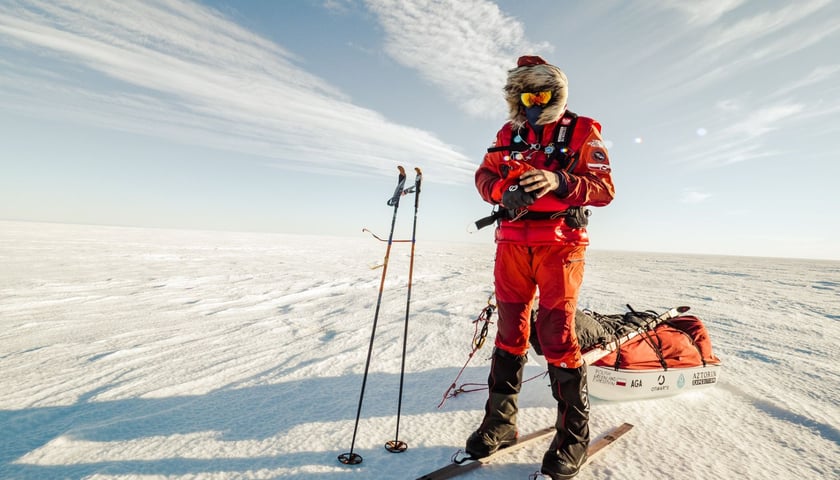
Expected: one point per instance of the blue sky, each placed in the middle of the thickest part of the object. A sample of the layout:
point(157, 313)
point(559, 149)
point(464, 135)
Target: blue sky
point(291, 116)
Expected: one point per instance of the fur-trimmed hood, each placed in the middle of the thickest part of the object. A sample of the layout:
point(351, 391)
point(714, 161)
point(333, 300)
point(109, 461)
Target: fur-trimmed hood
point(533, 74)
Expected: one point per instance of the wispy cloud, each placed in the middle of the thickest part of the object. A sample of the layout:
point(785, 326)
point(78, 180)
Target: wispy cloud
point(818, 75)
point(743, 136)
point(179, 70)
point(702, 12)
point(721, 50)
point(763, 121)
point(725, 42)
point(693, 196)
point(337, 6)
point(760, 26)
point(464, 47)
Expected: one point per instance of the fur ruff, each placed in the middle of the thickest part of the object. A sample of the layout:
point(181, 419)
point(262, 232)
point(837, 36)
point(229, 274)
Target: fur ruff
point(534, 79)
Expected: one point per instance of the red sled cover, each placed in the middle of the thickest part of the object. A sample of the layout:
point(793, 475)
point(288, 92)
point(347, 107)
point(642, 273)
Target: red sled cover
point(676, 343)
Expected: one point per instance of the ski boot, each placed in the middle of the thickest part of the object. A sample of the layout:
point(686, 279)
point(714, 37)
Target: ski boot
point(498, 428)
point(567, 452)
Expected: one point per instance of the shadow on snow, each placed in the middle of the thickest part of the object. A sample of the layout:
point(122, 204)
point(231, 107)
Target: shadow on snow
point(247, 413)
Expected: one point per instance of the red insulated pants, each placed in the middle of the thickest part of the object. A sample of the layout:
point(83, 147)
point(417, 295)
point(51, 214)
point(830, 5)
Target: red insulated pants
point(557, 271)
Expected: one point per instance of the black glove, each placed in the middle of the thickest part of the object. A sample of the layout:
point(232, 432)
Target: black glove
point(516, 197)
point(562, 189)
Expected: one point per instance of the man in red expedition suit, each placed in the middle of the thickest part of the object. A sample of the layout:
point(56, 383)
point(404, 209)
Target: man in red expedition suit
point(545, 165)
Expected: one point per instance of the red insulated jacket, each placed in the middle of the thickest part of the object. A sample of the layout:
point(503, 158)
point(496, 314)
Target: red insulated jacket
point(587, 174)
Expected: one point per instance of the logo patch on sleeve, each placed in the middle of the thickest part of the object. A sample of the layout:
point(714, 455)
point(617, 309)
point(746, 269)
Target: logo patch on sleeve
point(599, 161)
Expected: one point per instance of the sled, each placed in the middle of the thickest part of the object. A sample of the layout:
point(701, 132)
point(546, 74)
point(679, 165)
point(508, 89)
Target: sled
point(643, 354)
point(623, 385)
point(664, 355)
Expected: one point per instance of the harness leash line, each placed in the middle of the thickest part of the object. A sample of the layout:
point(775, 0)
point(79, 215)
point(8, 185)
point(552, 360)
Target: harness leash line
point(482, 386)
point(479, 337)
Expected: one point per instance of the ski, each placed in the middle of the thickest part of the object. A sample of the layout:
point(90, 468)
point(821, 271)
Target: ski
point(455, 469)
point(595, 447)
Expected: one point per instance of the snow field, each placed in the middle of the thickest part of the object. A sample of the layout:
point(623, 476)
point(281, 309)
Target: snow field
point(158, 354)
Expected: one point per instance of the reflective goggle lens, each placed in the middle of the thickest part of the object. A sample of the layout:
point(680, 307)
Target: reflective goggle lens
point(530, 99)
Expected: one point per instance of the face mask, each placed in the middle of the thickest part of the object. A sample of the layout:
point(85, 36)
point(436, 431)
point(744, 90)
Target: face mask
point(533, 114)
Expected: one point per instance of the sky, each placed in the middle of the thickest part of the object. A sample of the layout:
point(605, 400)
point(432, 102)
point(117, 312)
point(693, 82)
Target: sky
point(720, 115)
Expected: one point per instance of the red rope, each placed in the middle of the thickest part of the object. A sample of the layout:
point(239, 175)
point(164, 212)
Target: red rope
point(479, 336)
point(454, 392)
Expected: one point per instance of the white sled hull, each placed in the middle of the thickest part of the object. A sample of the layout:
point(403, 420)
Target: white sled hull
point(610, 384)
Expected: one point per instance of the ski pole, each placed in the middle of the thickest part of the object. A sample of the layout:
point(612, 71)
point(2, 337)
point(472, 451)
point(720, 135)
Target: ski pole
point(397, 446)
point(351, 458)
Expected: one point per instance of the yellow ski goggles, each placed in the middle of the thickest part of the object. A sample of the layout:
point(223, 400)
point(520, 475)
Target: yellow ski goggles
point(530, 99)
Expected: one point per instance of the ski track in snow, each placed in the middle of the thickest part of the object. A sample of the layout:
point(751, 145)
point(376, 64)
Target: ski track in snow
point(159, 354)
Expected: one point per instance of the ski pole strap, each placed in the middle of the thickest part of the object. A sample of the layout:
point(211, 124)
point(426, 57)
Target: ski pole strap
point(394, 201)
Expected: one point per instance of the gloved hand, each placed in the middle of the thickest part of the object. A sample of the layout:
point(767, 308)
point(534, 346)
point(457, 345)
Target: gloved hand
point(516, 197)
point(540, 182)
point(510, 172)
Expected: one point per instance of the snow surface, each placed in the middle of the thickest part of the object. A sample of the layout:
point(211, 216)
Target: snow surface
point(152, 354)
